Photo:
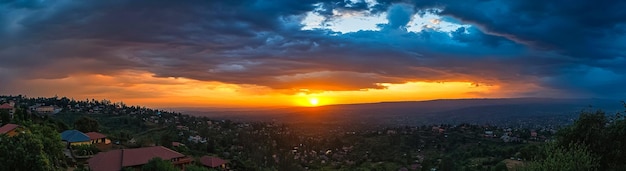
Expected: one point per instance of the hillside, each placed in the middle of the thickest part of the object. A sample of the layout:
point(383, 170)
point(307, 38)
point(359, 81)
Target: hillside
point(512, 111)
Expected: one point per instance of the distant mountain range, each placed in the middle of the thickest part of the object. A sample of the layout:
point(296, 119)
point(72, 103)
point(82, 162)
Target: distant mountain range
point(507, 111)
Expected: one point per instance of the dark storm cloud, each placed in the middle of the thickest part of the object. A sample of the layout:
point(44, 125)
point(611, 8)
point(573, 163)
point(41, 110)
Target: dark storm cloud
point(399, 16)
point(576, 46)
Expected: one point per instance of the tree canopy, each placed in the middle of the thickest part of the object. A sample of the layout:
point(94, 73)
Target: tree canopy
point(159, 164)
point(86, 124)
point(593, 142)
point(37, 149)
point(570, 158)
point(603, 137)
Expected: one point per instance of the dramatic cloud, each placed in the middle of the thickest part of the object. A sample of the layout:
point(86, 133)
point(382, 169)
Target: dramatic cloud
point(525, 47)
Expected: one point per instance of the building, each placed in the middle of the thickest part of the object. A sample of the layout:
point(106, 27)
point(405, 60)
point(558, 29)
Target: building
point(197, 139)
point(115, 160)
point(489, 134)
point(10, 130)
point(75, 137)
point(213, 162)
point(177, 144)
point(9, 108)
point(99, 140)
point(48, 110)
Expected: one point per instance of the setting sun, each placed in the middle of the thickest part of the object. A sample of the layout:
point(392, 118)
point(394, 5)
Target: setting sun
point(313, 101)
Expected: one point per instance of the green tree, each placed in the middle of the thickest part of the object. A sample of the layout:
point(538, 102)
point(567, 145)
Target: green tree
point(553, 157)
point(128, 169)
point(51, 141)
point(447, 164)
point(195, 168)
point(501, 166)
point(615, 155)
point(587, 130)
point(5, 117)
point(159, 164)
point(85, 149)
point(81, 168)
point(23, 152)
point(20, 115)
point(166, 140)
point(601, 136)
point(86, 124)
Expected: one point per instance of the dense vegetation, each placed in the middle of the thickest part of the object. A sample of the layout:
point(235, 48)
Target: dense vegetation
point(593, 142)
point(37, 148)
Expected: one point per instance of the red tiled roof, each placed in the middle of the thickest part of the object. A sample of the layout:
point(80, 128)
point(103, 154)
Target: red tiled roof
point(211, 161)
point(8, 127)
point(6, 106)
point(116, 159)
point(106, 161)
point(95, 135)
point(139, 156)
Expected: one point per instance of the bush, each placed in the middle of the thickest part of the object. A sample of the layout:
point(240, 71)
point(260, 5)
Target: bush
point(85, 150)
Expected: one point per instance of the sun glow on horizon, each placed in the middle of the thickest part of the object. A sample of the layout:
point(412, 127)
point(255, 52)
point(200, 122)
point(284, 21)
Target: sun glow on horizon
point(141, 88)
point(313, 101)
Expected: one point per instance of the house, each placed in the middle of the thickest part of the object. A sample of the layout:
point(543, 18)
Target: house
point(74, 137)
point(489, 134)
point(34, 107)
point(213, 162)
point(9, 108)
point(437, 129)
point(177, 144)
point(115, 160)
point(98, 138)
point(197, 139)
point(182, 128)
point(10, 129)
point(48, 110)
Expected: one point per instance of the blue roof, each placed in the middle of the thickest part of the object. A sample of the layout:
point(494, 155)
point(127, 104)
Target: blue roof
point(74, 136)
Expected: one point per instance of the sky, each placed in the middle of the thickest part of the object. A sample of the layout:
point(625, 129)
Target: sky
point(260, 53)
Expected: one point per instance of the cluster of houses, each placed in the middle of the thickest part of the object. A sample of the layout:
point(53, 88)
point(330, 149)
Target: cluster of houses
point(39, 108)
point(110, 160)
point(74, 137)
point(115, 160)
point(508, 135)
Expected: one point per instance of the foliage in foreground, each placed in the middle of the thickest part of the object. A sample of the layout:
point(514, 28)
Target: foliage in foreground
point(593, 142)
point(556, 158)
point(37, 149)
point(85, 149)
point(195, 168)
point(159, 164)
